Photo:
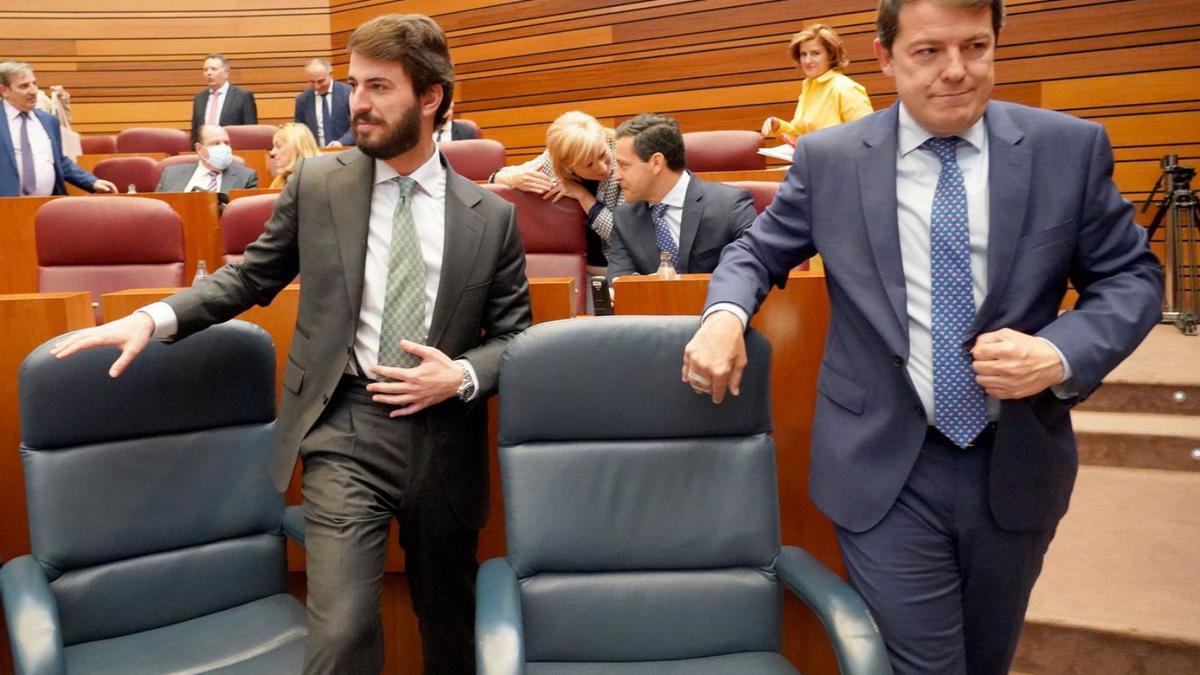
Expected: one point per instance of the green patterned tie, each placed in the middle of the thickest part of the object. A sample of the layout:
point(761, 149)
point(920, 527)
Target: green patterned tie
point(404, 298)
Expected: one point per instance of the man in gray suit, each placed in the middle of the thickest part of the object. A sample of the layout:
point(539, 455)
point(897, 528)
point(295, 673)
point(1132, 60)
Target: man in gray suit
point(414, 282)
point(667, 209)
point(950, 226)
point(214, 171)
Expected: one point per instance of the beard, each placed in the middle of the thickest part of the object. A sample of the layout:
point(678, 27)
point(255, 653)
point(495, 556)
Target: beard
point(399, 138)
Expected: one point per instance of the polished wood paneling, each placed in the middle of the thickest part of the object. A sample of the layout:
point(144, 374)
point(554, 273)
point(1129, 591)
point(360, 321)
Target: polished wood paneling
point(795, 320)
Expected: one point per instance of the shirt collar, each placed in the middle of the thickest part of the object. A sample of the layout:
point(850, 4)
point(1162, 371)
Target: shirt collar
point(912, 135)
point(11, 111)
point(223, 89)
point(678, 193)
point(427, 176)
point(826, 76)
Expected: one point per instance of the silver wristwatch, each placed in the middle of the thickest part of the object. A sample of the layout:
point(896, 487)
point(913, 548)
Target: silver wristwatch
point(467, 389)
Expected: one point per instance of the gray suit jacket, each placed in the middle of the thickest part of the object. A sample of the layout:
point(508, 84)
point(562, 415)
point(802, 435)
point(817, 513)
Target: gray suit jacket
point(714, 214)
point(1054, 215)
point(237, 177)
point(319, 228)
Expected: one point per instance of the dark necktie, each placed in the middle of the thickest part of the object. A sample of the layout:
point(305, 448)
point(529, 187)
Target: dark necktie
point(404, 295)
point(959, 403)
point(662, 233)
point(28, 172)
point(324, 118)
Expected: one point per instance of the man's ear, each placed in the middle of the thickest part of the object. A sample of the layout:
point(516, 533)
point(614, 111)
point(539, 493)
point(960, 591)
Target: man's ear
point(432, 98)
point(658, 162)
point(884, 56)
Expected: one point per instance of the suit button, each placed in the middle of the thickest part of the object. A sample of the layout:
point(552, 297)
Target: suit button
point(897, 361)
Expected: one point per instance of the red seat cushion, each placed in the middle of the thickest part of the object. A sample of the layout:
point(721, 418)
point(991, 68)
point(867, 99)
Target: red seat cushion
point(474, 158)
point(729, 150)
point(153, 139)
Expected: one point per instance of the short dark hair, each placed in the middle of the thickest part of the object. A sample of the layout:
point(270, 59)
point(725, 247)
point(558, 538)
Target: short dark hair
point(655, 133)
point(418, 44)
point(887, 23)
point(220, 57)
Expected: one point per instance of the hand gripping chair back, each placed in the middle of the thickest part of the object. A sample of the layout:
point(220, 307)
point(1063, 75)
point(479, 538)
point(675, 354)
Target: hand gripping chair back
point(642, 520)
point(155, 528)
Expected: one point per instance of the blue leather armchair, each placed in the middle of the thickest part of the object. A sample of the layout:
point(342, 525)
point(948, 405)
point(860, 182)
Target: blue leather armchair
point(642, 520)
point(157, 536)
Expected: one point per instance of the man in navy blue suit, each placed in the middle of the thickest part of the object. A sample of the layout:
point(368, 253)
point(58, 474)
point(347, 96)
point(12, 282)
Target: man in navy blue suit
point(325, 106)
point(31, 156)
point(949, 226)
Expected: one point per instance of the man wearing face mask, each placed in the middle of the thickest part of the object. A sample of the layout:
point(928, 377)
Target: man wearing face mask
point(214, 172)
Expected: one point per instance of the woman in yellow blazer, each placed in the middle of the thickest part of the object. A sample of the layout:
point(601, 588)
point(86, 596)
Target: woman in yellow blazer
point(827, 97)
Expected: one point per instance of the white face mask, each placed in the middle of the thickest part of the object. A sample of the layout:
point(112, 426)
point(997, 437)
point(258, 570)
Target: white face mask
point(220, 156)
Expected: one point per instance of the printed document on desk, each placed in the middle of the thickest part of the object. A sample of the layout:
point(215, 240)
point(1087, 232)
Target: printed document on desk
point(783, 152)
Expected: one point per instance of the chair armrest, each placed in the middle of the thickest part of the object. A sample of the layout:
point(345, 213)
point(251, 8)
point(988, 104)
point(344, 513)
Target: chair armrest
point(293, 523)
point(499, 631)
point(856, 639)
point(32, 618)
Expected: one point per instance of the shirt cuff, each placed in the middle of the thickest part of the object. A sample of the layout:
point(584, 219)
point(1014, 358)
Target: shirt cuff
point(469, 372)
point(727, 307)
point(165, 322)
point(1066, 387)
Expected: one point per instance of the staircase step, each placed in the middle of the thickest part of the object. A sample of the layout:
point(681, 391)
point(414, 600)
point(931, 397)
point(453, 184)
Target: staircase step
point(1118, 593)
point(1138, 440)
point(1161, 376)
point(1170, 399)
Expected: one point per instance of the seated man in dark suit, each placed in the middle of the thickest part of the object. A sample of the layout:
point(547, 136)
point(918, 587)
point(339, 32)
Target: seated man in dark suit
point(325, 106)
point(221, 103)
point(667, 209)
point(453, 130)
point(214, 172)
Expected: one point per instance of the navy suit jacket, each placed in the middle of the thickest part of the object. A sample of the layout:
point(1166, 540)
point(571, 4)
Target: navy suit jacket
point(714, 214)
point(1054, 215)
point(65, 169)
point(339, 111)
point(239, 108)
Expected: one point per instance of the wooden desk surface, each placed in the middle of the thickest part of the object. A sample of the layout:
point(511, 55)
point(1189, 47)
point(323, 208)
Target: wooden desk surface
point(771, 175)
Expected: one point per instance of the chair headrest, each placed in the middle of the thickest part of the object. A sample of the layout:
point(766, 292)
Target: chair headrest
point(617, 364)
point(107, 231)
point(546, 226)
point(231, 365)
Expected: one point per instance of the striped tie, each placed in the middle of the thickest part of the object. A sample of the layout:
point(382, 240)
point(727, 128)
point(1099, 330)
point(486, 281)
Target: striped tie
point(404, 297)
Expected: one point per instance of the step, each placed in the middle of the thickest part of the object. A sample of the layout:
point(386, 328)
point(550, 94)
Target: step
point(1138, 440)
point(1119, 592)
point(1161, 376)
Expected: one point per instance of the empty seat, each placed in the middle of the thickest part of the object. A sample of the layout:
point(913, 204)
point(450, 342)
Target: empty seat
point(141, 172)
point(762, 191)
point(153, 139)
point(553, 235)
point(475, 158)
point(106, 244)
point(727, 150)
point(242, 222)
point(251, 136)
point(99, 145)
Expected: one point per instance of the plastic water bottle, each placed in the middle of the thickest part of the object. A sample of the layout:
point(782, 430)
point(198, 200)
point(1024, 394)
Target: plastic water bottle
point(132, 189)
point(201, 272)
point(666, 266)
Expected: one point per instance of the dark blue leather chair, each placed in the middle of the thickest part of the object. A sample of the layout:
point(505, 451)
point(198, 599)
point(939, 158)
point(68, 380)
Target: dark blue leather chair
point(642, 520)
point(157, 536)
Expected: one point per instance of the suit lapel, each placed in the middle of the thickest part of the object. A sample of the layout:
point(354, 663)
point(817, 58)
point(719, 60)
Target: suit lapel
point(693, 210)
point(464, 232)
point(1009, 166)
point(350, 202)
point(6, 146)
point(877, 190)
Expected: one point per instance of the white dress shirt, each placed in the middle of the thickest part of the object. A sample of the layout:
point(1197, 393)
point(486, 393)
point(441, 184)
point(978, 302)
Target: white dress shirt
point(39, 142)
point(917, 172)
point(674, 201)
point(224, 89)
point(428, 203)
point(200, 179)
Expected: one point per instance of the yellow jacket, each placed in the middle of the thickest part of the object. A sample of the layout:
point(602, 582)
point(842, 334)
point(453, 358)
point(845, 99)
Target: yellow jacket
point(830, 99)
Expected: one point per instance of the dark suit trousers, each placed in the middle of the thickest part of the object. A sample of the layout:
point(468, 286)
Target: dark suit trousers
point(947, 586)
point(361, 469)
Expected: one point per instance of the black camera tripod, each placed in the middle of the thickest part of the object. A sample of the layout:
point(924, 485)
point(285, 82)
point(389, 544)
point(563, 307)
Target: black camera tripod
point(1180, 209)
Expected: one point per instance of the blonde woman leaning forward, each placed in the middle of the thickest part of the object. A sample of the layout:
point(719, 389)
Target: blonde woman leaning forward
point(291, 143)
point(577, 163)
point(827, 97)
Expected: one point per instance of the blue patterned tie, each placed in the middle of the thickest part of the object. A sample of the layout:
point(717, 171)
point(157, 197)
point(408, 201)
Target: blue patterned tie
point(404, 296)
point(662, 233)
point(959, 403)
